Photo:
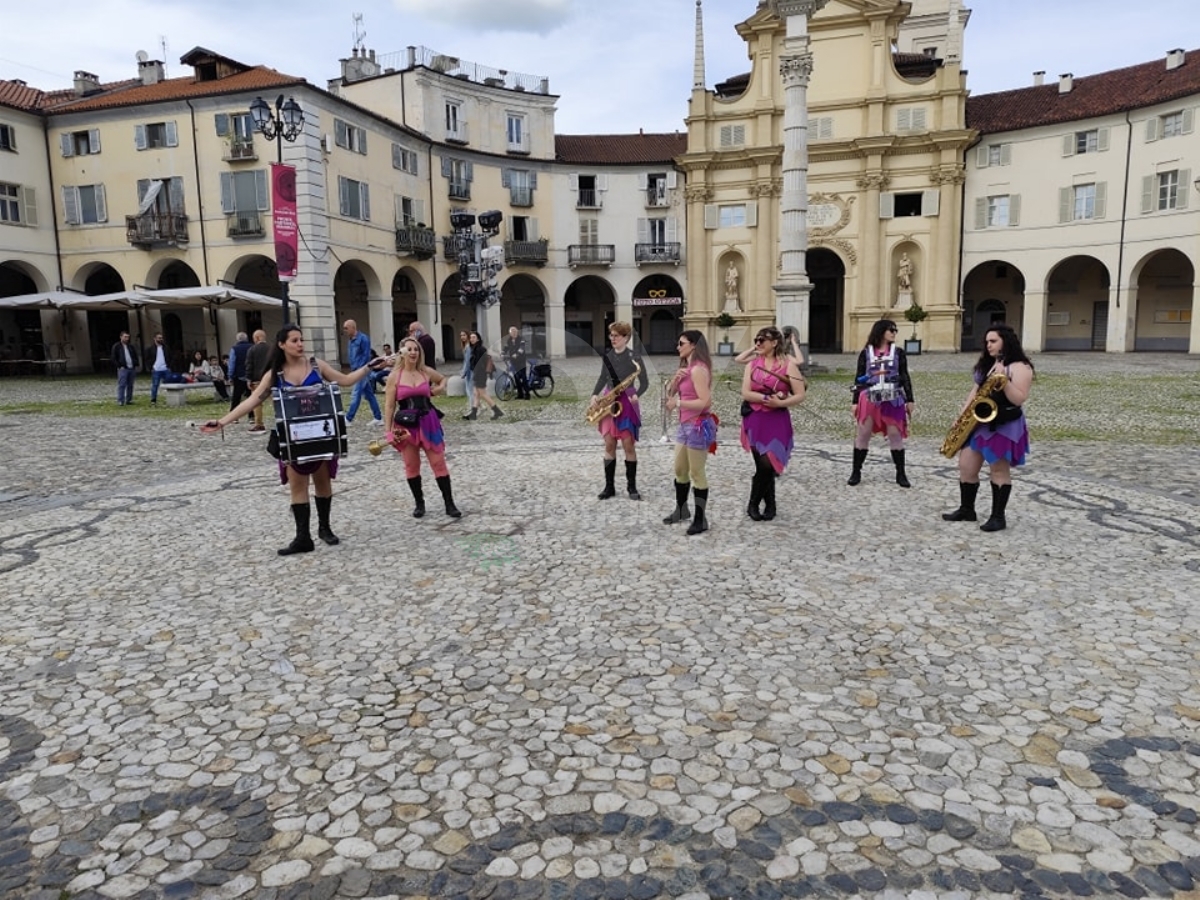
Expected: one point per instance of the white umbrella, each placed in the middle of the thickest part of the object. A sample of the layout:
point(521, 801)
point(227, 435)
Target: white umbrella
point(70, 300)
point(219, 296)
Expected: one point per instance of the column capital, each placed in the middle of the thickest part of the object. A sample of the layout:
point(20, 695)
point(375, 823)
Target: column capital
point(873, 181)
point(695, 193)
point(796, 69)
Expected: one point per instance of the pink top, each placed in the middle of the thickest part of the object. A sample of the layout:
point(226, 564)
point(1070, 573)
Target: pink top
point(687, 391)
point(405, 391)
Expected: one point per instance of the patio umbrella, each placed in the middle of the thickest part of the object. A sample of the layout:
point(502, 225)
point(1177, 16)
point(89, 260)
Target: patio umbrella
point(219, 296)
point(68, 300)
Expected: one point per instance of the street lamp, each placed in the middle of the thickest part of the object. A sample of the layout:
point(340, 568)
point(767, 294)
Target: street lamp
point(284, 124)
point(478, 264)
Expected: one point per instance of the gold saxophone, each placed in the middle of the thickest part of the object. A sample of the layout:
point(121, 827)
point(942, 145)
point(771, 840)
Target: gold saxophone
point(604, 406)
point(981, 411)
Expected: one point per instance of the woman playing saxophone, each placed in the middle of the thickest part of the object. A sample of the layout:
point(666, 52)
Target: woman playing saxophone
point(1002, 442)
point(625, 424)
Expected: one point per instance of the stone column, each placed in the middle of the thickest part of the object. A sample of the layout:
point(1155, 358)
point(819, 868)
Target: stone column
point(795, 68)
point(1033, 322)
point(697, 301)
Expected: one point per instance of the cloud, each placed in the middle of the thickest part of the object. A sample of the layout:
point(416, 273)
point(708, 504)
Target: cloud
point(537, 16)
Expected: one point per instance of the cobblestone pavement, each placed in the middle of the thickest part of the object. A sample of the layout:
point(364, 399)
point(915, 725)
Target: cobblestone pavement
point(557, 697)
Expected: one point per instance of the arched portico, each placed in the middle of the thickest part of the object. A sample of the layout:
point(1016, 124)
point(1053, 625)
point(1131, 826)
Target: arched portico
point(1076, 309)
point(589, 307)
point(993, 291)
point(1164, 303)
point(24, 336)
point(358, 295)
point(658, 307)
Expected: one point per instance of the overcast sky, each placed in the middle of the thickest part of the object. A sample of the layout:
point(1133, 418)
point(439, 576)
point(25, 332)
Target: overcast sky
point(617, 65)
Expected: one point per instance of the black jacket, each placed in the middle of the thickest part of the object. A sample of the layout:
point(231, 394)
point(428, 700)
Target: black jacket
point(901, 368)
point(118, 356)
point(617, 367)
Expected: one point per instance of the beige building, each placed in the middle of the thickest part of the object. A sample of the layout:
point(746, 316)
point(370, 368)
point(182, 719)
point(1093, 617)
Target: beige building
point(1082, 215)
point(886, 135)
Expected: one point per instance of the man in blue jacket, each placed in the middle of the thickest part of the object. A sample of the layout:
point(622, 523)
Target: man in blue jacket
point(360, 355)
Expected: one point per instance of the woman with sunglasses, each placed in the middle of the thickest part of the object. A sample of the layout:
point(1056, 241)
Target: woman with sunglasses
point(690, 392)
point(623, 427)
point(771, 384)
point(882, 397)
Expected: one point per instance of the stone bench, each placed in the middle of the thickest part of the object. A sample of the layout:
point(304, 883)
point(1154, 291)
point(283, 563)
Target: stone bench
point(177, 392)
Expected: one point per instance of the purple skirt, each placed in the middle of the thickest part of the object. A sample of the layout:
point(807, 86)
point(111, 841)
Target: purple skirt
point(769, 432)
point(626, 423)
point(426, 433)
point(883, 415)
point(1008, 442)
point(308, 468)
point(698, 434)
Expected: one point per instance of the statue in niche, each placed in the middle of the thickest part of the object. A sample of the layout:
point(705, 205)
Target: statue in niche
point(732, 304)
point(904, 273)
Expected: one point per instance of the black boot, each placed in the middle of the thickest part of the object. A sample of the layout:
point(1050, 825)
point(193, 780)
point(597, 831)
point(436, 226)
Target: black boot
point(631, 479)
point(699, 523)
point(414, 485)
point(681, 513)
point(443, 483)
point(856, 473)
point(610, 475)
point(303, 542)
point(1000, 494)
point(472, 414)
point(497, 412)
point(901, 478)
point(769, 477)
point(966, 503)
point(323, 530)
point(756, 489)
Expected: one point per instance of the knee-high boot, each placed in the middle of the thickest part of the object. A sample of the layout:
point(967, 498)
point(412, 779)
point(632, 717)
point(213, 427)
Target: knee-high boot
point(901, 478)
point(1000, 495)
point(443, 483)
point(769, 478)
point(631, 479)
point(324, 532)
point(967, 492)
point(681, 513)
point(610, 476)
point(756, 489)
point(414, 485)
point(856, 473)
point(303, 542)
point(699, 522)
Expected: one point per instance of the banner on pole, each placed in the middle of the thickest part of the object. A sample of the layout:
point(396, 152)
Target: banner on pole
point(283, 220)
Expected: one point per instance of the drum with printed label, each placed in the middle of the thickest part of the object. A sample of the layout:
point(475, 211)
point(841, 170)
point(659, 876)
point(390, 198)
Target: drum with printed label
point(882, 393)
point(310, 422)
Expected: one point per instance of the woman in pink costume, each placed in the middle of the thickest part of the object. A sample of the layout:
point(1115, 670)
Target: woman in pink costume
point(771, 384)
point(883, 399)
point(690, 392)
point(415, 424)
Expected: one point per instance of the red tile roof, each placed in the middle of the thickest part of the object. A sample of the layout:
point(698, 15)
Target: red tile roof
point(19, 95)
point(134, 93)
point(618, 149)
point(1135, 87)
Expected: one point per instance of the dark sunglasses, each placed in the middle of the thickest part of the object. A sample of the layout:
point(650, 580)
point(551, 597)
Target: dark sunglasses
point(682, 343)
point(762, 339)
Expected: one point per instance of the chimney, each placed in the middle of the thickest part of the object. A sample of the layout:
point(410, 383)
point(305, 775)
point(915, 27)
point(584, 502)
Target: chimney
point(1175, 58)
point(1066, 83)
point(151, 71)
point(1039, 78)
point(86, 83)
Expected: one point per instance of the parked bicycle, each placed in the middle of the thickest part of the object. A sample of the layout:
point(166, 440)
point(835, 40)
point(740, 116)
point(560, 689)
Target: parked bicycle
point(538, 377)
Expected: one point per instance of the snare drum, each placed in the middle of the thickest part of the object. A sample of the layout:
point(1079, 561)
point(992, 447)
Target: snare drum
point(882, 393)
point(310, 422)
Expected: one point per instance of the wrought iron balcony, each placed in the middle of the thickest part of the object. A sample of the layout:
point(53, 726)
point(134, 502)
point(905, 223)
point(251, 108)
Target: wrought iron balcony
point(520, 196)
point(667, 253)
point(416, 241)
point(526, 253)
point(244, 224)
point(452, 243)
point(591, 255)
point(156, 230)
point(240, 149)
point(589, 198)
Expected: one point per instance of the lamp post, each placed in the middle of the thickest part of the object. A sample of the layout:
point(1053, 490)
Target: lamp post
point(478, 264)
point(284, 124)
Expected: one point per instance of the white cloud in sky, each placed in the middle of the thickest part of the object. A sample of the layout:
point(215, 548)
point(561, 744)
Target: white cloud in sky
point(540, 16)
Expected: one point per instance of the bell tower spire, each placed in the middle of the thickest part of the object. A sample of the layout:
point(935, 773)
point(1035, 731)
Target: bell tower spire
point(698, 65)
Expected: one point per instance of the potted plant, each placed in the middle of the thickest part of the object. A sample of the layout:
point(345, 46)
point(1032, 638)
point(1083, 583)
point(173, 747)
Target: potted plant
point(725, 321)
point(915, 313)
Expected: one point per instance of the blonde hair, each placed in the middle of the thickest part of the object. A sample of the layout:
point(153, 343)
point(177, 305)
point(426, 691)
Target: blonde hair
point(401, 355)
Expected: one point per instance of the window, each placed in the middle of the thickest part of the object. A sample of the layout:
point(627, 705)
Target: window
point(1087, 141)
point(460, 173)
point(821, 128)
point(899, 204)
point(409, 212)
point(656, 232)
point(589, 231)
point(80, 143)
point(521, 184)
point(590, 190)
point(354, 199)
point(160, 196)
point(456, 125)
point(404, 159)
point(910, 118)
point(657, 184)
point(84, 205)
point(243, 192)
point(10, 204)
point(730, 215)
point(518, 138)
point(997, 211)
point(1081, 202)
point(1168, 190)
point(1171, 124)
point(733, 135)
point(154, 135)
point(8, 137)
point(1083, 198)
point(993, 155)
point(235, 126)
point(522, 228)
point(349, 137)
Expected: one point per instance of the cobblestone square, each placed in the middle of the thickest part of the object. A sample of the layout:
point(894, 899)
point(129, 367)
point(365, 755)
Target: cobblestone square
point(557, 697)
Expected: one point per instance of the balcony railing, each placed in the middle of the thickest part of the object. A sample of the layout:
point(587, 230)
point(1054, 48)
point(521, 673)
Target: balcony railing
point(460, 190)
point(589, 198)
point(591, 255)
point(156, 229)
point(419, 242)
point(239, 149)
point(520, 196)
point(451, 244)
point(526, 253)
point(244, 224)
point(656, 196)
point(667, 253)
point(457, 134)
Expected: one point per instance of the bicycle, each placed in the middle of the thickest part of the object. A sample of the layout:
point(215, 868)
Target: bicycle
point(537, 376)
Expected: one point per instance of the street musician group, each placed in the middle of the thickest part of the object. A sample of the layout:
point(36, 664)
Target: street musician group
point(310, 433)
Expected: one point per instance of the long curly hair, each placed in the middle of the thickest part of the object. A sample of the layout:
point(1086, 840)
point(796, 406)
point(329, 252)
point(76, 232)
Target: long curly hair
point(1010, 353)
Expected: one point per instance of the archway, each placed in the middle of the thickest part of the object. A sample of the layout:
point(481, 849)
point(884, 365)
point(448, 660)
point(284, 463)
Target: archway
point(589, 307)
point(1163, 315)
point(523, 304)
point(994, 291)
point(20, 329)
point(658, 305)
point(354, 283)
point(1077, 305)
point(105, 327)
point(827, 273)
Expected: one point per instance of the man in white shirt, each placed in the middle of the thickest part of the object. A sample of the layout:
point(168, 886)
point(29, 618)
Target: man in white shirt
point(160, 367)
